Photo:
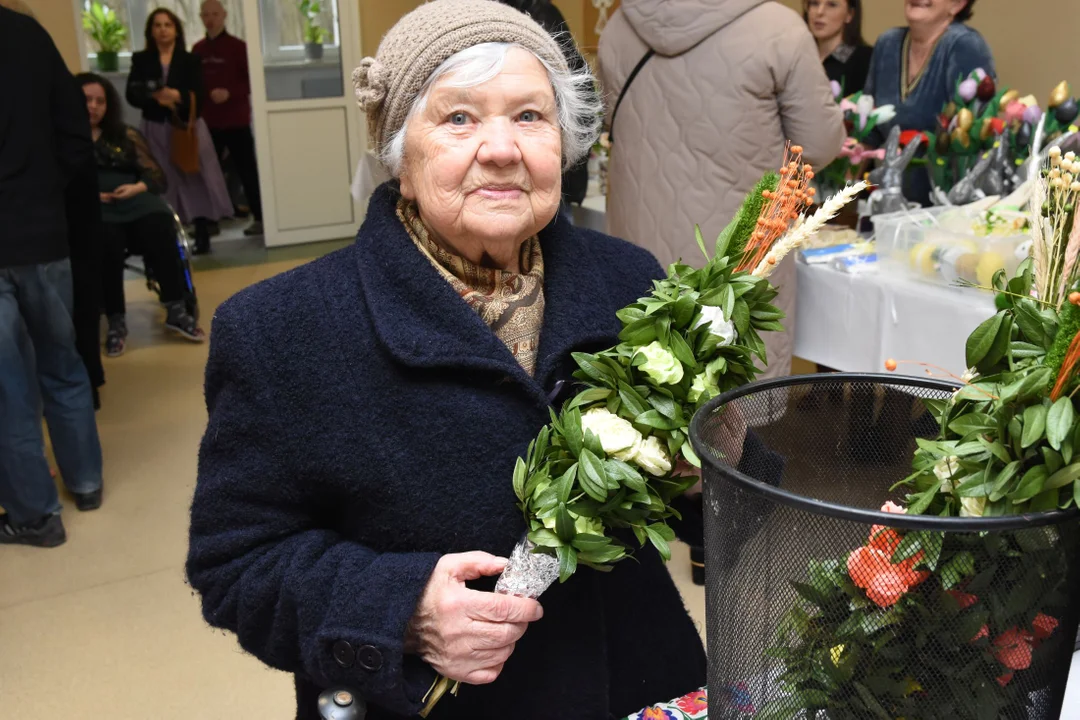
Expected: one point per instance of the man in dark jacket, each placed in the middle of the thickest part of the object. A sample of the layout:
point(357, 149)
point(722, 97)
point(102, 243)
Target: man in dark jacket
point(44, 143)
point(228, 112)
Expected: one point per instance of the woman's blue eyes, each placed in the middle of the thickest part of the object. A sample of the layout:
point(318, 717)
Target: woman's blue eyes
point(461, 119)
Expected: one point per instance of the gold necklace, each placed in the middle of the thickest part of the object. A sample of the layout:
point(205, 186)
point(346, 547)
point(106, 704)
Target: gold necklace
point(906, 88)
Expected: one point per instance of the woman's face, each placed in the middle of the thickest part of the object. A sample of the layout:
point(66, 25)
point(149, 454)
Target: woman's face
point(95, 103)
point(163, 30)
point(932, 12)
point(827, 18)
point(483, 164)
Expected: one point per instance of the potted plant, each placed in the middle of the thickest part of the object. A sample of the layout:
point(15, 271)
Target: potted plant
point(314, 33)
point(105, 29)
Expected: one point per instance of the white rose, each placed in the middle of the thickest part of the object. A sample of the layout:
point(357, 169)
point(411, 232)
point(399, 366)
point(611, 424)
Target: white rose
point(702, 387)
point(615, 434)
point(944, 470)
point(660, 364)
point(651, 457)
point(719, 325)
point(972, 506)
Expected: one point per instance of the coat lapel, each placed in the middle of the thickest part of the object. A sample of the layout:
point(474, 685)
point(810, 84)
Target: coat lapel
point(423, 322)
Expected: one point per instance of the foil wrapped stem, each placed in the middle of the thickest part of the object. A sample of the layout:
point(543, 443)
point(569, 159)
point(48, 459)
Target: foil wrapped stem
point(528, 574)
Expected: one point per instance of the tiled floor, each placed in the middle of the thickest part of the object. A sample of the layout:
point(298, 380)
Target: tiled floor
point(104, 628)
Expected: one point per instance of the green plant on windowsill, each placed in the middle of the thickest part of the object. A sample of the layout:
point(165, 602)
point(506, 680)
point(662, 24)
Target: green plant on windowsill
point(314, 33)
point(105, 29)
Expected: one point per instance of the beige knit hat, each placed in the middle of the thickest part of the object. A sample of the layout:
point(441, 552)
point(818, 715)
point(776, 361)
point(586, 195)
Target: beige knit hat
point(388, 84)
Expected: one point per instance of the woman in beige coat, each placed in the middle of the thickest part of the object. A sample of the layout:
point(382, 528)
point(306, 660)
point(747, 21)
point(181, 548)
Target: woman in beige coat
point(707, 114)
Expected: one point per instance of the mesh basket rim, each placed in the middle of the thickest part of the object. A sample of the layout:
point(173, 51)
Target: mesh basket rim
point(859, 515)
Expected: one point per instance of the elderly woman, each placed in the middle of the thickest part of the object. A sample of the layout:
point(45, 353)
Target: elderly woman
point(915, 69)
point(354, 498)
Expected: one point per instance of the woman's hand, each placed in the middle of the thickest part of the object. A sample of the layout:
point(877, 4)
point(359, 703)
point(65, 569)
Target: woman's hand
point(167, 97)
point(465, 634)
point(129, 190)
point(106, 197)
point(219, 95)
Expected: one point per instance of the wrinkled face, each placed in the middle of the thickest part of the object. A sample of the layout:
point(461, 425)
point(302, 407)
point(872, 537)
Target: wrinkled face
point(484, 163)
point(213, 16)
point(932, 12)
point(163, 30)
point(95, 103)
point(827, 18)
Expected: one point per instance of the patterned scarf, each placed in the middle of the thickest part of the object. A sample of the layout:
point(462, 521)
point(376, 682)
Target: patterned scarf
point(511, 304)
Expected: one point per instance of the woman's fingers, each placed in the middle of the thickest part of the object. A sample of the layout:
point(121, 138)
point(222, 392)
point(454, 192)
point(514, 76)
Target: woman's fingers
point(492, 608)
point(472, 565)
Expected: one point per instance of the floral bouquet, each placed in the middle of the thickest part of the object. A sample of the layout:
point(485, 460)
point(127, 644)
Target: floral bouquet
point(605, 471)
point(861, 117)
point(968, 126)
point(874, 633)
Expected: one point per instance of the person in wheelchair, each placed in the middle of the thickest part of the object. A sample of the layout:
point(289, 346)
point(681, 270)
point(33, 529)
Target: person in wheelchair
point(137, 219)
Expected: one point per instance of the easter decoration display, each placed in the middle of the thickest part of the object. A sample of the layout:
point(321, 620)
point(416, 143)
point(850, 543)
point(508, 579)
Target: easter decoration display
point(973, 620)
point(861, 117)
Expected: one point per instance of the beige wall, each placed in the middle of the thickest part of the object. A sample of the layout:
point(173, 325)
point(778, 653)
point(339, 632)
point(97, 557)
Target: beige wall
point(58, 17)
point(378, 16)
point(1028, 44)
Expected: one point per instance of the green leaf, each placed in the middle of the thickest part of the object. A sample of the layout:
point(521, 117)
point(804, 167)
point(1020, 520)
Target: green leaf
point(565, 484)
point(571, 424)
point(996, 449)
point(1065, 476)
point(590, 396)
point(592, 476)
point(1001, 482)
point(544, 538)
point(567, 562)
point(625, 474)
point(724, 239)
point(700, 241)
point(740, 315)
point(564, 524)
point(684, 309)
point(640, 332)
point(727, 300)
point(690, 456)
point(973, 423)
point(1034, 425)
point(631, 400)
point(596, 371)
point(1021, 350)
point(922, 500)
point(1053, 460)
point(658, 541)
point(958, 568)
point(520, 471)
point(653, 419)
point(981, 341)
point(682, 350)
point(1030, 485)
point(1059, 422)
point(1030, 322)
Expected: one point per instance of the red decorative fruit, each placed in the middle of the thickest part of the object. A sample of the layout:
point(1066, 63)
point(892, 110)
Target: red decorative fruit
point(986, 89)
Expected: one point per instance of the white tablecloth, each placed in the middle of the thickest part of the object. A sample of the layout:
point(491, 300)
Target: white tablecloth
point(857, 322)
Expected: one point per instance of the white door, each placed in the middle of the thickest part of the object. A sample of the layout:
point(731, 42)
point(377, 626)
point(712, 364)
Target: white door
point(307, 125)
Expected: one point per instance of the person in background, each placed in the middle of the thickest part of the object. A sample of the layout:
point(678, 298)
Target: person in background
point(837, 27)
point(164, 80)
point(915, 69)
point(136, 219)
point(44, 143)
point(228, 114)
point(725, 85)
point(575, 181)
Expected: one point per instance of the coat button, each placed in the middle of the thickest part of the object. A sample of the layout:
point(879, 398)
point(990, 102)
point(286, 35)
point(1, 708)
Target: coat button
point(369, 658)
point(344, 655)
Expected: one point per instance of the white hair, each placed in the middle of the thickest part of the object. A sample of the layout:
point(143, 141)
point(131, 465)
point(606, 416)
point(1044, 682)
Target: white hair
point(576, 99)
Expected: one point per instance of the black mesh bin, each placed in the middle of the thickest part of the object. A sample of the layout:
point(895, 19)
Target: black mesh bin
point(812, 609)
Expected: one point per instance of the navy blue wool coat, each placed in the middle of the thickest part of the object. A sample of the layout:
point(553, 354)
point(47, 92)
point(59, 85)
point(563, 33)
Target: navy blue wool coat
point(363, 421)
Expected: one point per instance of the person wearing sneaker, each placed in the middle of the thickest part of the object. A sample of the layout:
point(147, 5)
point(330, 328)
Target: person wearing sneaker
point(49, 145)
point(136, 218)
